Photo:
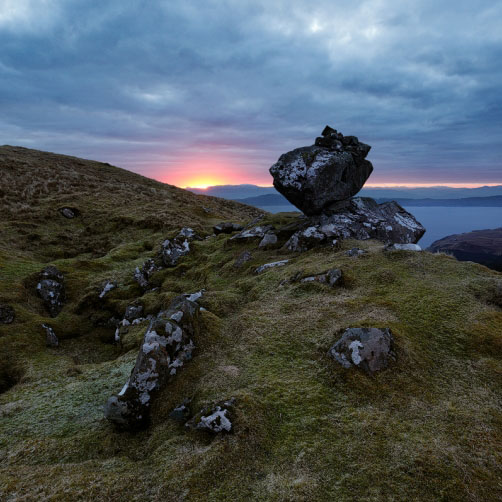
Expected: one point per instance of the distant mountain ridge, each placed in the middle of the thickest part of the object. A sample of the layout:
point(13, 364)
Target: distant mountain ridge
point(493, 201)
point(238, 192)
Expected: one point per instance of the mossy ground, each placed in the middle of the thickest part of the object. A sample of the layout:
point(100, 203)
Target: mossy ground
point(428, 428)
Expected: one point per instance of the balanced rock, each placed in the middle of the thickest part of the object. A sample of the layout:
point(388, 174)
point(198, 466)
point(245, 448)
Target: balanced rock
point(370, 349)
point(167, 346)
point(313, 177)
point(51, 289)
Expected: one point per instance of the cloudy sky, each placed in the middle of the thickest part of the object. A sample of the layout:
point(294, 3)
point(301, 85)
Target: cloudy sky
point(212, 92)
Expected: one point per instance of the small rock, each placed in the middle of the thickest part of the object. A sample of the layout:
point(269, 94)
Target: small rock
point(262, 268)
point(172, 250)
point(133, 312)
point(215, 419)
point(142, 275)
point(355, 252)
point(226, 227)
point(69, 212)
point(194, 297)
point(51, 289)
point(182, 412)
point(242, 258)
point(370, 349)
point(252, 233)
point(333, 277)
point(7, 314)
point(188, 233)
point(403, 247)
point(305, 239)
point(269, 239)
point(51, 340)
point(107, 287)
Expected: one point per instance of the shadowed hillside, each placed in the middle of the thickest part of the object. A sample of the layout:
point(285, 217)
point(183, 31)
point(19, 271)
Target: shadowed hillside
point(305, 428)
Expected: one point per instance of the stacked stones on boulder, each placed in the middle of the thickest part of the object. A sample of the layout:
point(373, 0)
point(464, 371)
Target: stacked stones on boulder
point(227, 228)
point(216, 418)
point(313, 177)
point(322, 179)
point(51, 289)
point(167, 345)
point(370, 349)
point(7, 314)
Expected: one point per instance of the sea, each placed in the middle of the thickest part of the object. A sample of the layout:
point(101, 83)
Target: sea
point(440, 221)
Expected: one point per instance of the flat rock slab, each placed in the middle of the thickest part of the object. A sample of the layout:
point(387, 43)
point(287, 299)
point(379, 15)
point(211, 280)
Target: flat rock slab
point(370, 349)
point(266, 266)
point(313, 177)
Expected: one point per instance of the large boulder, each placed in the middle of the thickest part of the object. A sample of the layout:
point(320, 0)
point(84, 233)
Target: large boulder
point(331, 170)
point(358, 218)
point(480, 246)
point(370, 349)
point(52, 290)
point(167, 345)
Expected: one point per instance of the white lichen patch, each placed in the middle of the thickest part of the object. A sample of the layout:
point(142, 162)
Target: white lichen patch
point(354, 348)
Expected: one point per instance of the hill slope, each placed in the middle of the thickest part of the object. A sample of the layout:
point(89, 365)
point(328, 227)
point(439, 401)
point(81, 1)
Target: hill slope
point(427, 428)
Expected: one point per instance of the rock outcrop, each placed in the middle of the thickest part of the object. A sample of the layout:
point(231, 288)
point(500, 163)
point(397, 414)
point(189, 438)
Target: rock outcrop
point(313, 177)
point(370, 349)
point(480, 246)
point(167, 345)
point(52, 290)
point(358, 218)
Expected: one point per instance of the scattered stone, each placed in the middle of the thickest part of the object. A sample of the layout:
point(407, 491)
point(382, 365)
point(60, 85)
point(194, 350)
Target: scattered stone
point(122, 329)
point(215, 419)
point(355, 252)
point(269, 239)
point(51, 289)
point(7, 314)
point(182, 412)
point(142, 275)
point(262, 268)
point(69, 212)
point(370, 349)
point(304, 240)
point(172, 250)
point(403, 247)
point(332, 277)
point(243, 258)
point(107, 287)
point(314, 177)
point(206, 209)
point(133, 312)
point(188, 233)
point(51, 340)
point(227, 228)
point(252, 233)
point(194, 297)
point(167, 346)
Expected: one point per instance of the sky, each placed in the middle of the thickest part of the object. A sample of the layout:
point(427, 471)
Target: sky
point(212, 92)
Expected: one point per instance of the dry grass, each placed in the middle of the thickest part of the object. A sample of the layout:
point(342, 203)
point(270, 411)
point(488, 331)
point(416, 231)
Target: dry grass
point(429, 428)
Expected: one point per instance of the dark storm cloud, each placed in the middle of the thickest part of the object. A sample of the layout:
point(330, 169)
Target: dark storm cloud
point(141, 84)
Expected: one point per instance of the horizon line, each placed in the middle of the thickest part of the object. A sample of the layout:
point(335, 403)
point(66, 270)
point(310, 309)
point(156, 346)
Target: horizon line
point(371, 185)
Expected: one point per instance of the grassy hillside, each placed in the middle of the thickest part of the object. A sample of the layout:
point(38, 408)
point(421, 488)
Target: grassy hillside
point(428, 428)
